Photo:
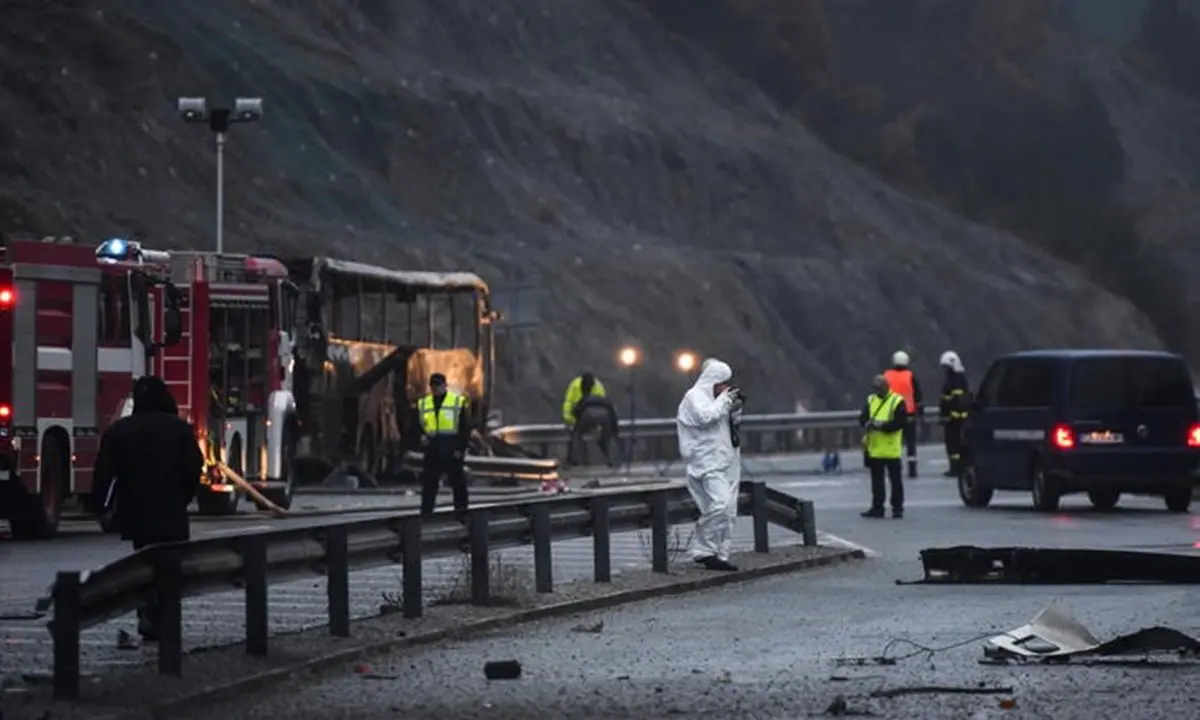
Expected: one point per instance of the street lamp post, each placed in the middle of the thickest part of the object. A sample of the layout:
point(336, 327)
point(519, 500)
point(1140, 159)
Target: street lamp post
point(219, 120)
point(629, 358)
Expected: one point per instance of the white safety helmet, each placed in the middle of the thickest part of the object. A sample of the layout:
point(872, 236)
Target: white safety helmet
point(900, 358)
point(951, 360)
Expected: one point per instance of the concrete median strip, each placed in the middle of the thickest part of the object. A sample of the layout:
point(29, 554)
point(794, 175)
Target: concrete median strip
point(222, 672)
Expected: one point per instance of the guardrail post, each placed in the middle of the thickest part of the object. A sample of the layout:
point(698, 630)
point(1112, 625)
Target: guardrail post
point(601, 540)
point(65, 629)
point(758, 513)
point(254, 574)
point(808, 517)
point(658, 531)
point(168, 595)
point(480, 561)
point(543, 568)
point(337, 581)
point(410, 544)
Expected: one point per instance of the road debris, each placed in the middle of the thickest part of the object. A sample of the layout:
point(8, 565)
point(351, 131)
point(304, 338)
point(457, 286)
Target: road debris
point(1054, 566)
point(502, 670)
point(941, 690)
point(126, 641)
point(1055, 635)
point(593, 628)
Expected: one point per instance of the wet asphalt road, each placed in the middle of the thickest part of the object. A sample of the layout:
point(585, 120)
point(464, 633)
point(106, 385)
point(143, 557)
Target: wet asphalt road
point(770, 649)
point(935, 518)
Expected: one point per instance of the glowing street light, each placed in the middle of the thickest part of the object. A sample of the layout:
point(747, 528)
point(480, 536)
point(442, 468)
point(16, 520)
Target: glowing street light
point(686, 361)
point(629, 356)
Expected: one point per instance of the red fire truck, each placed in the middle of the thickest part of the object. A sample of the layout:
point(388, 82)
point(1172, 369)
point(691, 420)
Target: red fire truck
point(83, 323)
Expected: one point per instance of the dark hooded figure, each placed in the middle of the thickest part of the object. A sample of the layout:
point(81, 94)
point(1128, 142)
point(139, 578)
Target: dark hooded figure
point(152, 462)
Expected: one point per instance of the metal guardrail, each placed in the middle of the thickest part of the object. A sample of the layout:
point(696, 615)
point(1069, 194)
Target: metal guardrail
point(655, 439)
point(499, 470)
point(254, 560)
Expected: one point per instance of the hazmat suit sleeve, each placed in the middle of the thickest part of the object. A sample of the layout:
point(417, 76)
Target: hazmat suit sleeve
point(702, 423)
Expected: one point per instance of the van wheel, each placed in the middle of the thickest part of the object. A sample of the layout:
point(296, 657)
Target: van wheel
point(1178, 501)
point(1104, 499)
point(1045, 495)
point(973, 494)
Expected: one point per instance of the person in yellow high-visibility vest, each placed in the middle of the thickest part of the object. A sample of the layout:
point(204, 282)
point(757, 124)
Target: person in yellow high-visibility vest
point(585, 408)
point(445, 433)
point(883, 417)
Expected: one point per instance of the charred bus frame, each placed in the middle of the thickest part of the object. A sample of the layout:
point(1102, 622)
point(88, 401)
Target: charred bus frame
point(368, 339)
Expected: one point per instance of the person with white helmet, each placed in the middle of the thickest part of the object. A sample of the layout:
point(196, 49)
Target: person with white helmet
point(953, 409)
point(709, 448)
point(904, 383)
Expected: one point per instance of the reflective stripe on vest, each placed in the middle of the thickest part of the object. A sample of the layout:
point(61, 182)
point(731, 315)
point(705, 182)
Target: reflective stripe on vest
point(443, 421)
point(901, 383)
point(884, 445)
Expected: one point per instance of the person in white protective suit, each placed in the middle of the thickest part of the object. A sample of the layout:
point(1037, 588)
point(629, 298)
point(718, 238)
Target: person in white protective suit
point(707, 446)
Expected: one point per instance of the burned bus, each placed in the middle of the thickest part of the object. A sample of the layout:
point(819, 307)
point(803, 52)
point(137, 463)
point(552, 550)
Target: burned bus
point(367, 340)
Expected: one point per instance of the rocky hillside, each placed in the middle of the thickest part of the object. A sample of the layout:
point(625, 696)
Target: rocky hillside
point(661, 178)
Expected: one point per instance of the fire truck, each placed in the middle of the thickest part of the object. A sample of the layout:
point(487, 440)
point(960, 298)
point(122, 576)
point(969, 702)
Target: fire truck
point(83, 323)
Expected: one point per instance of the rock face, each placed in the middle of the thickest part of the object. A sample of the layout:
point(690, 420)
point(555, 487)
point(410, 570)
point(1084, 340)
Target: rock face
point(657, 194)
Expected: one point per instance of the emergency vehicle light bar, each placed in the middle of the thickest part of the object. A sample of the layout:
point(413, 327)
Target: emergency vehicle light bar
point(120, 250)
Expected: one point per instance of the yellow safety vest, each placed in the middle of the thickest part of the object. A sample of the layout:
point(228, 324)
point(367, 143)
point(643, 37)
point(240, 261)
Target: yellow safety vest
point(575, 395)
point(445, 420)
point(884, 445)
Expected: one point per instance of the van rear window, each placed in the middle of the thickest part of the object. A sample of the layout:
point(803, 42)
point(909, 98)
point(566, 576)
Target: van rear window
point(1122, 383)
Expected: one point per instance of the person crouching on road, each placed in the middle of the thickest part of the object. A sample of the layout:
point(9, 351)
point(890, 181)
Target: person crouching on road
point(952, 411)
point(706, 445)
point(883, 417)
point(154, 460)
point(445, 434)
point(586, 408)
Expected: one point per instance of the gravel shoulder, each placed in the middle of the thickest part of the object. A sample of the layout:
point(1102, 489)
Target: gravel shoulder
point(116, 692)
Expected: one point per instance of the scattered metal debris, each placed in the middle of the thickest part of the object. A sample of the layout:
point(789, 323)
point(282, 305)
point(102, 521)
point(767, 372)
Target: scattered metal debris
point(1055, 635)
point(971, 564)
point(941, 690)
point(594, 628)
point(125, 641)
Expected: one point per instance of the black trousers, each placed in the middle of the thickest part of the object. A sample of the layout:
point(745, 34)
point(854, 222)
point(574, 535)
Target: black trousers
point(435, 466)
point(953, 432)
point(579, 435)
point(147, 612)
point(910, 445)
point(895, 476)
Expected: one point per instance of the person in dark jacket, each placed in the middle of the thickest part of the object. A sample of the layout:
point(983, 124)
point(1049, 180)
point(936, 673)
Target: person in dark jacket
point(953, 409)
point(152, 462)
point(883, 417)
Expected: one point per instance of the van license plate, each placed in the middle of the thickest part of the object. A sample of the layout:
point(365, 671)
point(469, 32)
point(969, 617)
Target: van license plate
point(1103, 437)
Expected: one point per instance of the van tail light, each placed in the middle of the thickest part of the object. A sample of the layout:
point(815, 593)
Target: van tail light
point(1062, 437)
point(5, 413)
point(8, 298)
point(1193, 436)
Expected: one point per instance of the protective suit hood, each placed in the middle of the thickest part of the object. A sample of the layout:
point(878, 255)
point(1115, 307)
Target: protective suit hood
point(702, 423)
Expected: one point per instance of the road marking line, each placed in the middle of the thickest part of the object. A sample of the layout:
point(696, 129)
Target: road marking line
point(837, 541)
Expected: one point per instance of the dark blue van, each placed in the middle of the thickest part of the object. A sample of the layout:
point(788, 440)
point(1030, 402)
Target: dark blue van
point(1104, 422)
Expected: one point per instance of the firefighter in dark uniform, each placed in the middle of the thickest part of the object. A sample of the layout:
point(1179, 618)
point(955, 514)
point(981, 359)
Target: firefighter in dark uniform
point(904, 383)
point(953, 409)
point(445, 433)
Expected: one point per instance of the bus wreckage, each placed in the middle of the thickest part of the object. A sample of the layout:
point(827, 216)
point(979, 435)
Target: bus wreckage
point(368, 341)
